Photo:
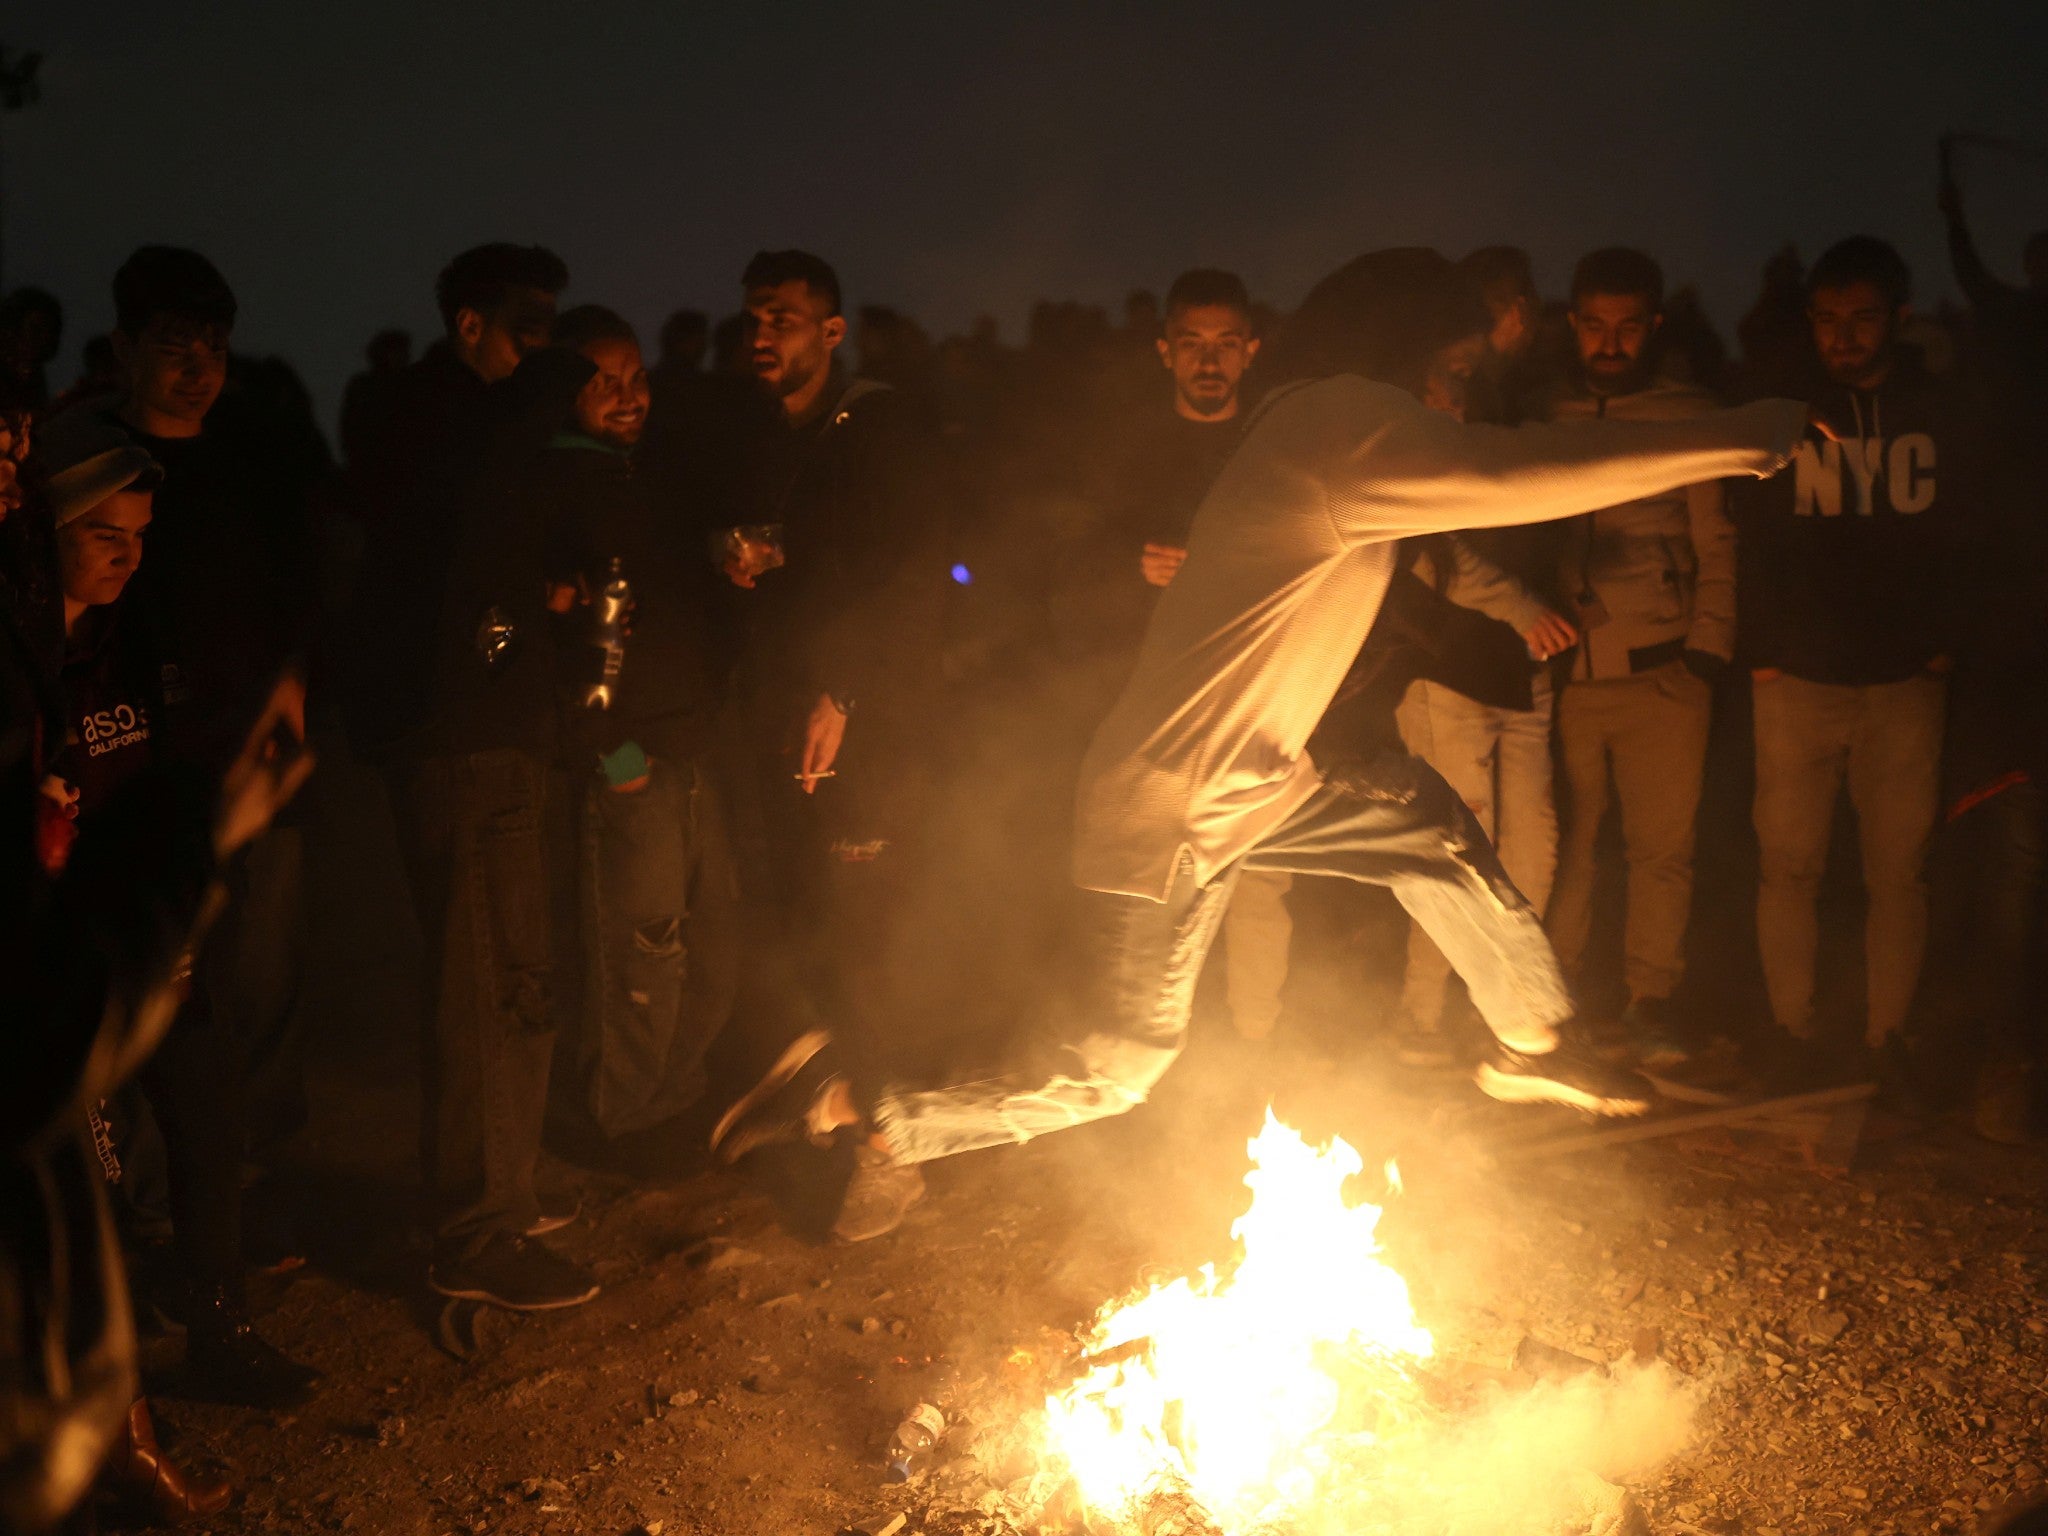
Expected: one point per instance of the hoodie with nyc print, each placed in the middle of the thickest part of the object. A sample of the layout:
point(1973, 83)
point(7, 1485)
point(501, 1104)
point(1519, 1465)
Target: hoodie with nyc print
point(1847, 561)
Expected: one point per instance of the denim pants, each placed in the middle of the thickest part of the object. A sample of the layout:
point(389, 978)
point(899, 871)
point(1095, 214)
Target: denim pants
point(479, 834)
point(1392, 821)
point(660, 945)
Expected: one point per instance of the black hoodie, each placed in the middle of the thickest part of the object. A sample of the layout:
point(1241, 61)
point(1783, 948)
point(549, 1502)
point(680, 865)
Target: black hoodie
point(1846, 569)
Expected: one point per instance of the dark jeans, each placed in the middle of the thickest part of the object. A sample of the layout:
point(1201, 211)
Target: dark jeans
point(660, 943)
point(249, 972)
point(478, 839)
point(193, 1084)
point(1393, 822)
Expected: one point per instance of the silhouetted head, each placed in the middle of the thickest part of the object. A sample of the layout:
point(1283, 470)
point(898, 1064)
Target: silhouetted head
point(498, 303)
point(1406, 317)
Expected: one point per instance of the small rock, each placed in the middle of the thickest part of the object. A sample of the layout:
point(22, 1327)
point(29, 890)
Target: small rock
point(870, 1325)
point(682, 1399)
point(1828, 1326)
point(734, 1257)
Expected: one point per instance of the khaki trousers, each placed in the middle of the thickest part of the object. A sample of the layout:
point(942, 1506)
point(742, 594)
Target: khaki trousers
point(1644, 740)
point(1498, 762)
point(1885, 740)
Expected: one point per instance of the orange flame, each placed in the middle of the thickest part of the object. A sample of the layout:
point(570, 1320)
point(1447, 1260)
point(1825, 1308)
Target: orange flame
point(1247, 1390)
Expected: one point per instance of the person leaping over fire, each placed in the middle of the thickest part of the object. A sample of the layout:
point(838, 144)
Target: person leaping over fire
point(1201, 771)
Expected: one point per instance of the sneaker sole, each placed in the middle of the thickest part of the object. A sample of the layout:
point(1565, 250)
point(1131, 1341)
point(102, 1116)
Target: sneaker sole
point(491, 1299)
point(1514, 1088)
point(787, 1065)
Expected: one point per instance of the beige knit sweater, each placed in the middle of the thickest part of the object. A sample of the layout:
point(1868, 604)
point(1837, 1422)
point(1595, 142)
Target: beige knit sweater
point(1288, 560)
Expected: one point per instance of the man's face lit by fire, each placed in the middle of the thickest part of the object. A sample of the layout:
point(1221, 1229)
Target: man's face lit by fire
point(1613, 332)
point(1449, 379)
point(493, 342)
point(1207, 348)
point(790, 334)
point(173, 369)
point(612, 406)
point(1853, 328)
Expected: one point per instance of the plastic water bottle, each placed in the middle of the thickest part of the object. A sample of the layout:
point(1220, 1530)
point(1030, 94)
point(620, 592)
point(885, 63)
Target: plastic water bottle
point(610, 637)
point(912, 1449)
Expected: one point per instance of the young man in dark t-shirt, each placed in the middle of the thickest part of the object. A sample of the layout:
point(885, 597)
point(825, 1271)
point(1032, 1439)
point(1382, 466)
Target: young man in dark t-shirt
point(1151, 490)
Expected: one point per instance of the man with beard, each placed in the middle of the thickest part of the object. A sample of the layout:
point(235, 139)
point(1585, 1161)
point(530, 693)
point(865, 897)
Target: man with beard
point(1652, 582)
point(838, 594)
point(1850, 626)
point(657, 881)
point(1164, 465)
point(1201, 770)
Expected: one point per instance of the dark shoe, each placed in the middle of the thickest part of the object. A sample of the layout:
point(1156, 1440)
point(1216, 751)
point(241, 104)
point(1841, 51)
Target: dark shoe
point(556, 1212)
point(228, 1361)
point(879, 1197)
point(1570, 1075)
point(154, 1483)
point(1656, 1036)
point(513, 1273)
point(779, 1107)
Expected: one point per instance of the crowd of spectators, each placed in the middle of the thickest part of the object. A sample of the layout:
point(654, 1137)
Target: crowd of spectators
point(694, 683)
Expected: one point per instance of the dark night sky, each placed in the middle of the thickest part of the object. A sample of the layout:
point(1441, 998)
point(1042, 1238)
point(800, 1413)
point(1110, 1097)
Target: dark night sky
point(964, 157)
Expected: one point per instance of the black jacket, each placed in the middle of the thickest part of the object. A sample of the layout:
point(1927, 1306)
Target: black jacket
point(223, 600)
point(597, 508)
point(855, 611)
point(409, 469)
point(1848, 575)
point(502, 555)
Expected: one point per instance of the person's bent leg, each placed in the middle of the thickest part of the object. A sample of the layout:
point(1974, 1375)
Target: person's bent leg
point(1147, 958)
point(1660, 756)
point(1895, 785)
point(1802, 734)
point(1394, 822)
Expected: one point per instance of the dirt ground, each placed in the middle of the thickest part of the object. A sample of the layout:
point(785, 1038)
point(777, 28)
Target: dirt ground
point(1877, 1344)
point(1874, 1346)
